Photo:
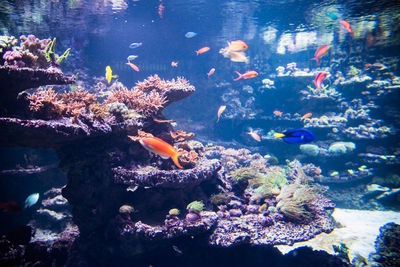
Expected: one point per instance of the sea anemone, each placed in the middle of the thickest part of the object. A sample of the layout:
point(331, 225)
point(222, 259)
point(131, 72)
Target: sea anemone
point(195, 207)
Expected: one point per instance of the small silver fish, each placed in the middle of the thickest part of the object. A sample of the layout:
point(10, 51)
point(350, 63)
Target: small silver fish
point(135, 45)
point(177, 250)
point(190, 34)
point(131, 57)
point(31, 200)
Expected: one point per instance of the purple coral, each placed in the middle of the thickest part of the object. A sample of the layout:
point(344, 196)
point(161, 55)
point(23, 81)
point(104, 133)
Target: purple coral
point(13, 58)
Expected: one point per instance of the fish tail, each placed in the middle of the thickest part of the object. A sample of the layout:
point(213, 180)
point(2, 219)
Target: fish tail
point(316, 59)
point(197, 52)
point(175, 159)
point(238, 78)
point(278, 135)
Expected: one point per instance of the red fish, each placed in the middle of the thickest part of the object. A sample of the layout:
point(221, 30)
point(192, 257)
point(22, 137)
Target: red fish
point(133, 66)
point(346, 25)
point(211, 72)
point(247, 75)
point(321, 51)
point(161, 148)
point(277, 113)
point(202, 50)
point(305, 116)
point(161, 9)
point(11, 207)
point(319, 79)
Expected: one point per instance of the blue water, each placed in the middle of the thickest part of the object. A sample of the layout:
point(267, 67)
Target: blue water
point(99, 35)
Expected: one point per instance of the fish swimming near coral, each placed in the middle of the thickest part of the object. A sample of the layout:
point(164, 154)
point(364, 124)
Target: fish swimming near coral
point(321, 51)
point(133, 66)
point(347, 26)
point(11, 207)
point(296, 136)
point(220, 110)
point(254, 135)
point(174, 64)
point(202, 50)
point(319, 79)
point(305, 116)
point(247, 75)
point(109, 75)
point(160, 147)
point(237, 46)
point(31, 200)
point(277, 113)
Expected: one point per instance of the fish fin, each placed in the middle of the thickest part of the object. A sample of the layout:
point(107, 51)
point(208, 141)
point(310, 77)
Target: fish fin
point(278, 135)
point(238, 78)
point(175, 159)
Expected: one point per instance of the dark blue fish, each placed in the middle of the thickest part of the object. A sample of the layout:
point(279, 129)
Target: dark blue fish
point(296, 136)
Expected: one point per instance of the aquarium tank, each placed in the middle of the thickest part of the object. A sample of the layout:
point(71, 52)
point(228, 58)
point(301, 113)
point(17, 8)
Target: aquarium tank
point(200, 133)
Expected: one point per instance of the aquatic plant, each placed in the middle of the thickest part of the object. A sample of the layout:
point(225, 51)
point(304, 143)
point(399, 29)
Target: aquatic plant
point(195, 207)
point(267, 185)
point(294, 202)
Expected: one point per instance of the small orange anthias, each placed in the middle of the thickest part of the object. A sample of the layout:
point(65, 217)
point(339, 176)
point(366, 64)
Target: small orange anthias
point(321, 51)
point(319, 79)
point(237, 46)
point(202, 50)
point(161, 148)
point(247, 75)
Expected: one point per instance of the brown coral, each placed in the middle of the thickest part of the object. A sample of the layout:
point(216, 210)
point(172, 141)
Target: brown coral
point(77, 102)
point(180, 136)
point(46, 104)
point(188, 160)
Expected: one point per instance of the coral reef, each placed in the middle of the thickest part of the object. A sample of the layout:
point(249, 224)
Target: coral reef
point(387, 246)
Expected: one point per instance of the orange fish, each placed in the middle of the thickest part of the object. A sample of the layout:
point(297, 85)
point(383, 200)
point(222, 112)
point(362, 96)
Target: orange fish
point(211, 72)
point(346, 25)
point(220, 110)
point(247, 75)
point(133, 66)
point(277, 113)
point(11, 207)
point(254, 135)
point(174, 64)
point(321, 51)
point(202, 50)
point(237, 46)
point(161, 10)
point(319, 79)
point(161, 148)
point(305, 116)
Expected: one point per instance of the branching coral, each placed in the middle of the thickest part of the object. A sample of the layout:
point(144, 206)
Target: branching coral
point(49, 105)
point(181, 136)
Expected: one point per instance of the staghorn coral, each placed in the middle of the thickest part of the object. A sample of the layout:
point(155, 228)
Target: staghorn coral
point(46, 104)
point(49, 105)
point(151, 95)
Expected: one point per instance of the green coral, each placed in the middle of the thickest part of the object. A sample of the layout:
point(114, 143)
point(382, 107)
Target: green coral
point(7, 43)
point(50, 55)
point(174, 212)
point(267, 185)
point(294, 202)
point(195, 206)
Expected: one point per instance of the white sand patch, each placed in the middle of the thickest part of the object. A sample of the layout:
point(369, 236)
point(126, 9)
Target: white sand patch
point(359, 232)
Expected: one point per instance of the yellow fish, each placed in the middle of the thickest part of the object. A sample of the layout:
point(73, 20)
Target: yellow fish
point(109, 75)
point(350, 171)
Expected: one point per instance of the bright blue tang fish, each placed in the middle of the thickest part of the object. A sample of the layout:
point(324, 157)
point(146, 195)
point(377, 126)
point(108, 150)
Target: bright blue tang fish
point(296, 136)
point(135, 45)
point(332, 16)
point(31, 200)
